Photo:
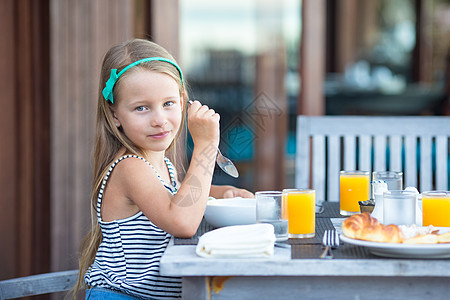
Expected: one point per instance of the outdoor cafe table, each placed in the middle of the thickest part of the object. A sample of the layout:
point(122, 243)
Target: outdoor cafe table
point(299, 273)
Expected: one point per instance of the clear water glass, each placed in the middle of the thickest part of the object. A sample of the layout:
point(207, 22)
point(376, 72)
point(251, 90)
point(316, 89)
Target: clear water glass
point(394, 180)
point(269, 209)
point(399, 207)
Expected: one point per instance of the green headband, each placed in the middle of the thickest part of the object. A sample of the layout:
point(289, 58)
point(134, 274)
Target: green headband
point(108, 90)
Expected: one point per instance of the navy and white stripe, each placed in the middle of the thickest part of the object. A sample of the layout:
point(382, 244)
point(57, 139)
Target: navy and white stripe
point(131, 249)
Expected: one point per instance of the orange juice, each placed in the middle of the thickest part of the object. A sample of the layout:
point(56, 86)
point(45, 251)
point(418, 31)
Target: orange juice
point(354, 187)
point(436, 208)
point(301, 212)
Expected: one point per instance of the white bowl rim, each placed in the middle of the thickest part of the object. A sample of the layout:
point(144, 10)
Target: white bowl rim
point(233, 202)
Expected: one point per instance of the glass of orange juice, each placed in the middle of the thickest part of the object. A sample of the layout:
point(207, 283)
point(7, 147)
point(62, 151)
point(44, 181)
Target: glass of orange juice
point(354, 187)
point(436, 208)
point(301, 212)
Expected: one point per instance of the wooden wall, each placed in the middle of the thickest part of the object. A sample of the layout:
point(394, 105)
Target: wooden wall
point(312, 54)
point(163, 32)
point(8, 132)
point(82, 31)
point(24, 130)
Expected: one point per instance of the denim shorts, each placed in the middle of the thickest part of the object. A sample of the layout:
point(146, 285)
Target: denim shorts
point(98, 293)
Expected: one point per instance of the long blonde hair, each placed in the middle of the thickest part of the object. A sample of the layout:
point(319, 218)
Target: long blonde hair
point(110, 139)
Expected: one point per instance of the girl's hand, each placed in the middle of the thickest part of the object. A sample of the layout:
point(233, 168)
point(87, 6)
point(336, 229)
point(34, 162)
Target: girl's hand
point(228, 191)
point(235, 192)
point(203, 124)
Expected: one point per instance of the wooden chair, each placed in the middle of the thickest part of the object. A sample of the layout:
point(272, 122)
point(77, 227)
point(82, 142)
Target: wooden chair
point(38, 284)
point(418, 146)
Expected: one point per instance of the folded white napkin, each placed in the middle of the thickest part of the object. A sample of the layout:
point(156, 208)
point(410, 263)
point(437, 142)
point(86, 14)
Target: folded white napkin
point(255, 240)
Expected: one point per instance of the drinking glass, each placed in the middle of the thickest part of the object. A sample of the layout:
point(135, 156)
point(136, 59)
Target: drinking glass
point(436, 208)
point(399, 207)
point(354, 187)
point(394, 180)
point(301, 212)
point(269, 209)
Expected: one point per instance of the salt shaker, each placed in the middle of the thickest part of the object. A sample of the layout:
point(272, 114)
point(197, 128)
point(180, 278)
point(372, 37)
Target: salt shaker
point(378, 188)
point(419, 219)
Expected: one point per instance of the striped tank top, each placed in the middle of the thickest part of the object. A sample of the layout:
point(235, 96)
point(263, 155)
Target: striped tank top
point(128, 257)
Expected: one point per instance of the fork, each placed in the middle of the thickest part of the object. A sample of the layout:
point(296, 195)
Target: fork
point(330, 241)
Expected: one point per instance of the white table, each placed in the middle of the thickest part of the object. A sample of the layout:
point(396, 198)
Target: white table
point(281, 277)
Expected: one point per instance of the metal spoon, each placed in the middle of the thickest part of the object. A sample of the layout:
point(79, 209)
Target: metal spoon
point(226, 165)
point(223, 162)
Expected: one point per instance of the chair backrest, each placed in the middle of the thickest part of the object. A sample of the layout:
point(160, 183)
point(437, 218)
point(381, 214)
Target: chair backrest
point(38, 284)
point(418, 146)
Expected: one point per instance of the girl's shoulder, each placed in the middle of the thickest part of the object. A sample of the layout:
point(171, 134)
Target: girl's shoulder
point(124, 157)
point(127, 163)
point(129, 179)
point(132, 172)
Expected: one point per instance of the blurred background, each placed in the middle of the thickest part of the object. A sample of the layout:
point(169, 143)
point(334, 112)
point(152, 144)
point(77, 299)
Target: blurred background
point(259, 63)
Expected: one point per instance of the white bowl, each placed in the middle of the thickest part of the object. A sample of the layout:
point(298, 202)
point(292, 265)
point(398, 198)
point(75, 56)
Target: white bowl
point(231, 211)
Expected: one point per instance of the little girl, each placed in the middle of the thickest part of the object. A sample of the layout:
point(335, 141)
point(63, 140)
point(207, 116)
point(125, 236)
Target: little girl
point(137, 201)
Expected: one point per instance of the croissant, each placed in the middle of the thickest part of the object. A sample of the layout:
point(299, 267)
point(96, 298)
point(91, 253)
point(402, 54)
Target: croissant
point(364, 227)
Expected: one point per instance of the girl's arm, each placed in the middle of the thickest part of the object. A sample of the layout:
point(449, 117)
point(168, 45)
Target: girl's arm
point(228, 191)
point(179, 215)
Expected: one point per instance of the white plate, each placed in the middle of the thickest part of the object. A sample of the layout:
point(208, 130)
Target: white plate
point(399, 250)
point(231, 211)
